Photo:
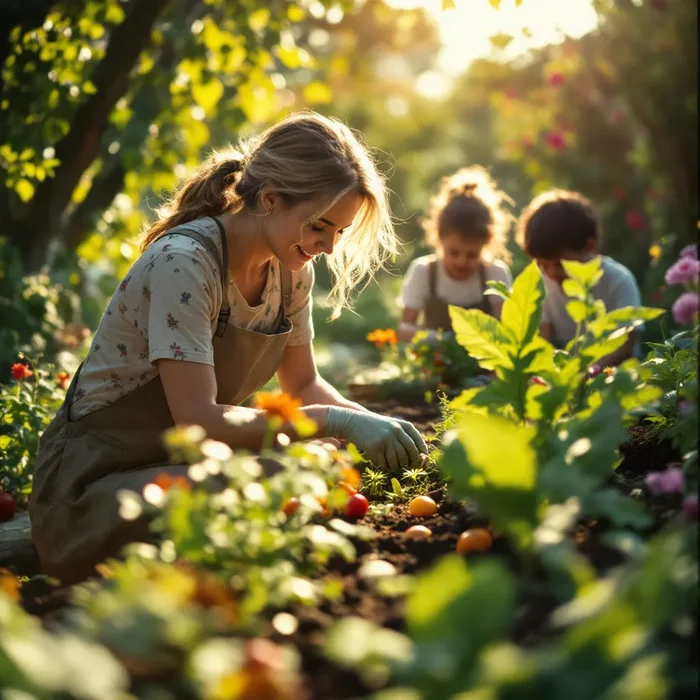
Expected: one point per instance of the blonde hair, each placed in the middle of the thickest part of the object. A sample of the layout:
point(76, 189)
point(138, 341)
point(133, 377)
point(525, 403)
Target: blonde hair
point(469, 204)
point(303, 157)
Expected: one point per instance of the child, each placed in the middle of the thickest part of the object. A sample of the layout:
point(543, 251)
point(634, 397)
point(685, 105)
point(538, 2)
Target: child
point(467, 225)
point(561, 225)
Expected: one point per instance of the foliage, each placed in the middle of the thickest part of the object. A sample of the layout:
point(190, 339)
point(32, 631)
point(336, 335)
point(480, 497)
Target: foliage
point(27, 406)
point(620, 636)
point(543, 431)
point(240, 530)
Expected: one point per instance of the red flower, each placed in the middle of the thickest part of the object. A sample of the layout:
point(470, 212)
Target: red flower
point(63, 378)
point(556, 141)
point(556, 79)
point(618, 193)
point(634, 219)
point(20, 371)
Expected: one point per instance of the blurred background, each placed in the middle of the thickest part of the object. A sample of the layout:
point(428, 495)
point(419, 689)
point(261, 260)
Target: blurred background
point(105, 105)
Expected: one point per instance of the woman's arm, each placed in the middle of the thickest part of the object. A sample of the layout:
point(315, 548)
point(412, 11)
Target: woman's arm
point(190, 389)
point(408, 325)
point(299, 377)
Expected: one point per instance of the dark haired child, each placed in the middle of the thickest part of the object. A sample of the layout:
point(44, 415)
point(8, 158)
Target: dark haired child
point(467, 225)
point(562, 225)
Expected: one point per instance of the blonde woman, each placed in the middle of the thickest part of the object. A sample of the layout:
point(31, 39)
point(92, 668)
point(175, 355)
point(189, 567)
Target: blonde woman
point(218, 302)
point(467, 224)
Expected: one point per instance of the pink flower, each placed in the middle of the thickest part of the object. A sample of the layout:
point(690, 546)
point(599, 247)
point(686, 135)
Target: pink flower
point(690, 251)
point(556, 140)
point(683, 271)
point(556, 79)
point(669, 481)
point(594, 370)
point(634, 219)
point(685, 308)
point(690, 507)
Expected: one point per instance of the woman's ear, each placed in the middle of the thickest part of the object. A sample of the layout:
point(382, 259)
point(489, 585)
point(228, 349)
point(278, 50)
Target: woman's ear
point(268, 199)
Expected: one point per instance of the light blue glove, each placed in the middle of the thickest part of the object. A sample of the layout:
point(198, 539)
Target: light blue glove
point(389, 443)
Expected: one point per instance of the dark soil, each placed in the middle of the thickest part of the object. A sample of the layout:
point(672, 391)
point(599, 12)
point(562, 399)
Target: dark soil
point(327, 681)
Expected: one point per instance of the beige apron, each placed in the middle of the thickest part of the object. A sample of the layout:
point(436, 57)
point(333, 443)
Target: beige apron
point(83, 463)
point(436, 314)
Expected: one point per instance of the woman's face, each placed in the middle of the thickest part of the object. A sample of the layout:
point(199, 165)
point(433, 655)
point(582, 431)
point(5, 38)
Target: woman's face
point(296, 241)
point(461, 257)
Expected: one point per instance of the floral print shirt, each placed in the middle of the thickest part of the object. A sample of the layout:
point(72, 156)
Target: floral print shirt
point(167, 306)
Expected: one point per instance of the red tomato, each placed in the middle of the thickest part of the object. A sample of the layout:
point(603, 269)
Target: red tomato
point(357, 506)
point(7, 507)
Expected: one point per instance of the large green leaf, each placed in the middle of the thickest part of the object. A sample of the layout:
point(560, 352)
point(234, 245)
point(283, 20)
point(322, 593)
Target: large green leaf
point(627, 316)
point(483, 337)
point(522, 311)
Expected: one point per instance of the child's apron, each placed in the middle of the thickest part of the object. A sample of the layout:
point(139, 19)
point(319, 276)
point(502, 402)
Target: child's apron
point(83, 463)
point(435, 312)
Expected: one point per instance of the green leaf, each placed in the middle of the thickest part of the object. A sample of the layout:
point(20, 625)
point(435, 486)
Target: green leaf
point(500, 41)
point(317, 92)
point(574, 289)
point(207, 95)
point(522, 310)
point(633, 316)
point(499, 452)
point(24, 189)
point(577, 309)
point(588, 274)
point(497, 288)
point(482, 336)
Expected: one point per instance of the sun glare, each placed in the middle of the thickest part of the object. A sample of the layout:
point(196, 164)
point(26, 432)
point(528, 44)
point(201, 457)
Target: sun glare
point(466, 28)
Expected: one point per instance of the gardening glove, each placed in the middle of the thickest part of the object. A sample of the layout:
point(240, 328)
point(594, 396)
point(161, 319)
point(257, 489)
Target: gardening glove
point(388, 443)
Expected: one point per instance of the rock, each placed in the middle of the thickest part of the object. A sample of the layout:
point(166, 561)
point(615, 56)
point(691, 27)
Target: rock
point(16, 548)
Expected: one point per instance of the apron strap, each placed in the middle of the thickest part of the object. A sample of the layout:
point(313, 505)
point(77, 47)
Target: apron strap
point(225, 310)
point(432, 277)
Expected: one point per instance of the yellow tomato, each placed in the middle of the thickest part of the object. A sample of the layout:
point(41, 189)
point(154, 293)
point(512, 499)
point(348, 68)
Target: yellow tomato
point(418, 532)
point(422, 506)
point(475, 540)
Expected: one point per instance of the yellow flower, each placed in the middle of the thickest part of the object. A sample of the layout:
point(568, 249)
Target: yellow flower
point(655, 251)
point(283, 406)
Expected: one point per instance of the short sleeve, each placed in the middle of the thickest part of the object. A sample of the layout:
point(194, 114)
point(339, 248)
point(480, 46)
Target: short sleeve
point(181, 291)
point(625, 293)
point(414, 290)
point(299, 312)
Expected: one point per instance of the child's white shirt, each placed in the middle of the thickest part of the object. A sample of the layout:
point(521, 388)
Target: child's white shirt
point(617, 288)
point(415, 290)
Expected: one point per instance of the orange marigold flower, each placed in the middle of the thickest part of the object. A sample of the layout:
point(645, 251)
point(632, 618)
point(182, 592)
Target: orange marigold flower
point(165, 481)
point(9, 584)
point(21, 371)
point(63, 378)
point(283, 406)
point(351, 477)
point(381, 337)
point(608, 370)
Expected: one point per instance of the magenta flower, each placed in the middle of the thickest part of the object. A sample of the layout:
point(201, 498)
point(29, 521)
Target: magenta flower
point(594, 370)
point(685, 308)
point(690, 251)
point(669, 481)
point(556, 140)
point(556, 79)
point(690, 507)
point(634, 219)
point(683, 271)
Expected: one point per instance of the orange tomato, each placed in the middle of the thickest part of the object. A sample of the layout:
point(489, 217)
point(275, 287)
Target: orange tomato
point(422, 506)
point(474, 540)
point(418, 532)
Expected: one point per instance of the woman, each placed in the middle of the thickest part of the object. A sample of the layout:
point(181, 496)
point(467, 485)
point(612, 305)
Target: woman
point(219, 300)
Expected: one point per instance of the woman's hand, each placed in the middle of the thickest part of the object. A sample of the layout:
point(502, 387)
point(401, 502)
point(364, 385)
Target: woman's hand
point(388, 443)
